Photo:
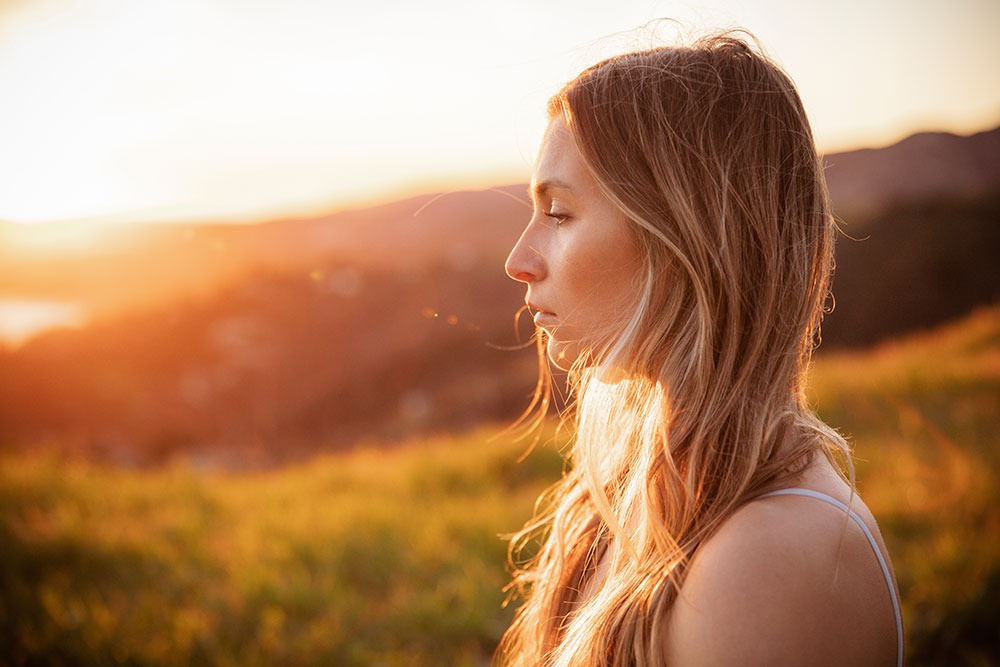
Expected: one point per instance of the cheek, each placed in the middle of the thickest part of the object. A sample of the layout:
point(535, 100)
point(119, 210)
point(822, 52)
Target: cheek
point(617, 279)
point(620, 290)
point(600, 261)
point(603, 287)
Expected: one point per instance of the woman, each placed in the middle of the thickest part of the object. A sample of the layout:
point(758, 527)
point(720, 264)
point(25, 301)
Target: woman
point(677, 264)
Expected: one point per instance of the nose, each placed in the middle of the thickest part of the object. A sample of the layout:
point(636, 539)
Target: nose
point(525, 263)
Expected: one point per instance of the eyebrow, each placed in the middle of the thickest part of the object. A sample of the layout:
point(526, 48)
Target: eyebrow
point(539, 189)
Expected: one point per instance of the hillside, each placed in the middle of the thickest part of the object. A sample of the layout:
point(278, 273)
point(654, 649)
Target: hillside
point(129, 266)
point(391, 556)
point(914, 266)
point(266, 342)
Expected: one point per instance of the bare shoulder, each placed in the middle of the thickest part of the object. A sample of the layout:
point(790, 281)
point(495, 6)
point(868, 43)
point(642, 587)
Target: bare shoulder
point(786, 580)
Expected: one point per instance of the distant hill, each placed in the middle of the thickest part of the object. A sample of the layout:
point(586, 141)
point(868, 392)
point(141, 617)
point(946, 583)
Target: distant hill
point(149, 264)
point(292, 335)
point(921, 243)
point(287, 335)
point(140, 264)
point(929, 165)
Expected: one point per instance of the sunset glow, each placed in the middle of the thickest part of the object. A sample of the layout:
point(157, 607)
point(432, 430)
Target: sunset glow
point(243, 111)
point(268, 394)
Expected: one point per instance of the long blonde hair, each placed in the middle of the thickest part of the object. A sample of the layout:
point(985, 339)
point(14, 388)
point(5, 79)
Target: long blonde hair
point(698, 404)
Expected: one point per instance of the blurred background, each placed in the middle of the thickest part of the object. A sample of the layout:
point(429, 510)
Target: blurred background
point(258, 354)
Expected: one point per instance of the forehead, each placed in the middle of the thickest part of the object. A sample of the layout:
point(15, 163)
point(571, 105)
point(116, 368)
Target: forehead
point(560, 165)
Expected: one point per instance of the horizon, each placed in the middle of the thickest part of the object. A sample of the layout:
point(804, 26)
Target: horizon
point(431, 188)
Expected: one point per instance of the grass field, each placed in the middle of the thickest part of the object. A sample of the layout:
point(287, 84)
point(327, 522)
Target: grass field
point(392, 556)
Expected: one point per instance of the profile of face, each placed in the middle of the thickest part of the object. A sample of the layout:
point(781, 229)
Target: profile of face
point(577, 256)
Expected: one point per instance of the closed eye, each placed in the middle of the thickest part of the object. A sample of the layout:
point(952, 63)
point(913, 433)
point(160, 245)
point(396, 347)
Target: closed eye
point(559, 218)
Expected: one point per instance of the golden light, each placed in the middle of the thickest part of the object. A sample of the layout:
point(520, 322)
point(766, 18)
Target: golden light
point(181, 110)
point(53, 238)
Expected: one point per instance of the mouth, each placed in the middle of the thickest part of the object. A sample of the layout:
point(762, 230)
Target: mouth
point(540, 315)
point(537, 310)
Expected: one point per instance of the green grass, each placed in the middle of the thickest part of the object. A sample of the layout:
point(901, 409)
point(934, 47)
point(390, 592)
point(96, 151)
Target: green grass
point(392, 556)
point(377, 557)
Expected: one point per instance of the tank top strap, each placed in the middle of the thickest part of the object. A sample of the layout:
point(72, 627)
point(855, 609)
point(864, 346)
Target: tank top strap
point(830, 500)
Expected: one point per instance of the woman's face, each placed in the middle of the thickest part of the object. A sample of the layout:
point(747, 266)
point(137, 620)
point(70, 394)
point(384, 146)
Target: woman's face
point(577, 255)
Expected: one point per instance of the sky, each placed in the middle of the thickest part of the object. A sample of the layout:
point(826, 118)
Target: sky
point(244, 110)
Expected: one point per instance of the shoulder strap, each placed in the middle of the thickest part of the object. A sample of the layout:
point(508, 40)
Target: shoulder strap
point(830, 500)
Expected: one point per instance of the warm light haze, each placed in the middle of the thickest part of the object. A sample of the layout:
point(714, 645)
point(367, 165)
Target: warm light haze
point(269, 397)
point(241, 111)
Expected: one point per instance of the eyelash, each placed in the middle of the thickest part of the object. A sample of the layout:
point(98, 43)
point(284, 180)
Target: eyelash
point(560, 218)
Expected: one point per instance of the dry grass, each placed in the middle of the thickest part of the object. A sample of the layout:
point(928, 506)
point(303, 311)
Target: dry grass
point(392, 557)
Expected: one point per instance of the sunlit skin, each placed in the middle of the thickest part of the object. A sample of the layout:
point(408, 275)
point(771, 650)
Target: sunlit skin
point(577, 256)
point(760, 591)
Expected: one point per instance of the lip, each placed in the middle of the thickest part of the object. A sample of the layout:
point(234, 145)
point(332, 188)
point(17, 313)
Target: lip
point(544, 319)
point(537, 309)
point(542, 316)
